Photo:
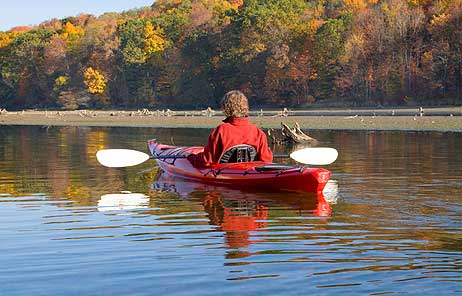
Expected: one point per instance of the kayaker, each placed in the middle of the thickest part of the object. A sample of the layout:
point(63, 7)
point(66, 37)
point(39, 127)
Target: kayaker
point(236, 129)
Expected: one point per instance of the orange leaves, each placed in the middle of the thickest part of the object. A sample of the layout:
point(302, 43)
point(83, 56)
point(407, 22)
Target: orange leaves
point(440, 20)
point(236, 3)
point(314, 25)
point(21, 29)
point(300, 66)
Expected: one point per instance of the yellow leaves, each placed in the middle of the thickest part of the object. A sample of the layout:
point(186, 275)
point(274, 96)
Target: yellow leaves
point(427, 56)
point(154, 42)
point(5, 39)
point(306, 30)
point(7, 187)
point(96, 141)
point(439, 20)
point(416, 2)
point(94, 81)
point(259, 47)
point(61, 80)
point(226, 21)
point(355, 5)
point(354, 48)
point(314, 25)
point(220, 9)
point(78, 192)
point(359, 5)
point(71, 32)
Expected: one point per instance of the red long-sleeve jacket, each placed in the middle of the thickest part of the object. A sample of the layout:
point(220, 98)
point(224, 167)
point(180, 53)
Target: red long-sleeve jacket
point(233, 131)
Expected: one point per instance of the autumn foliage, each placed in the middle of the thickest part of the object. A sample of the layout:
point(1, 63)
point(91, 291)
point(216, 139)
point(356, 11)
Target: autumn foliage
point(94, 81)
point(187, 53)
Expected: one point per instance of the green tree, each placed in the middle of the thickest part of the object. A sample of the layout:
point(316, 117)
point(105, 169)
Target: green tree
point(27, 72)
point(329, 46)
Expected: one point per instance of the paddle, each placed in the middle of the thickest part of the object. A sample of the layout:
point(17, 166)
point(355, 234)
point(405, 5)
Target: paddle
point(116, 158)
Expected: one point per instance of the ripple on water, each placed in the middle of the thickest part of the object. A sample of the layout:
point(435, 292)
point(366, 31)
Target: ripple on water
point(393, 224)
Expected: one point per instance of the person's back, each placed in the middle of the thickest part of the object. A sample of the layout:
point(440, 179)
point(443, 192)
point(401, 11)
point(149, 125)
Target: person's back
point(236, 129)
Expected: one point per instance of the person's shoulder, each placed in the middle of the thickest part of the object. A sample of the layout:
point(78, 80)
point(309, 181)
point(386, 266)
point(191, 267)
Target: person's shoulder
point(221, 127)
point(259, 130)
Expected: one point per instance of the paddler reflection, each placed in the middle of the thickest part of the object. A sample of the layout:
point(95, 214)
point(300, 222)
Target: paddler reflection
point(239, 213)
point(235, 217)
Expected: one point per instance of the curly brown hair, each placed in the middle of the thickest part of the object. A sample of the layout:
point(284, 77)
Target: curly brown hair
point(235, 103)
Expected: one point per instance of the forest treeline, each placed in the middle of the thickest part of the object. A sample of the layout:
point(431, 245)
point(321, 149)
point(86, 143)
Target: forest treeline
point(187, 53)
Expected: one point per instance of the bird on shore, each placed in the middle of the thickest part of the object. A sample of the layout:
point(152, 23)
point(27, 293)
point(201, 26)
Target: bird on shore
point(350, 117)
point(421, 111)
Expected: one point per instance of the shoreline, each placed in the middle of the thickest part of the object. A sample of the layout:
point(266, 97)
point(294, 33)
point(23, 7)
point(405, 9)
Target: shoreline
point(407, 119)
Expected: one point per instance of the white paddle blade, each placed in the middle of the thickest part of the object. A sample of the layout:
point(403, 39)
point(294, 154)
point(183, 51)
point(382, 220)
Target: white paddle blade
point(315, 156)
point(118, 158)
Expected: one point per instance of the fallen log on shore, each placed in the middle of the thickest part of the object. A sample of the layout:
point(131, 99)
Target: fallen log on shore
point(290, 135)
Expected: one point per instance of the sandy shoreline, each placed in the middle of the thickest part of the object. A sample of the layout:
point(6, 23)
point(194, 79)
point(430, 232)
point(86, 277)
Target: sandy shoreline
point(435, 119)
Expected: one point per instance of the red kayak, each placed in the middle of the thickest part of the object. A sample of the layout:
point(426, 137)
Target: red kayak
point(257, 175)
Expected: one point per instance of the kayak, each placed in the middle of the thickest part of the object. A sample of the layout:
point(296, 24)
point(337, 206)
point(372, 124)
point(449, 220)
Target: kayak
point(255, 175)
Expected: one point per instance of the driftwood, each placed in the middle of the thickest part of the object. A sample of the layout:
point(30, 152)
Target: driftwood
point(290, 135)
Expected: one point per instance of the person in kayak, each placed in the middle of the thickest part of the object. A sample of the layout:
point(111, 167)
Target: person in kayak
point(236, 129)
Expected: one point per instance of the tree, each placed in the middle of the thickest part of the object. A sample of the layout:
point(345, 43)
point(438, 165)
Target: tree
point(94, 81)
point(26, 68)
point(329, 46)
point(71, 33)
point(154, 40)
point(444, 58)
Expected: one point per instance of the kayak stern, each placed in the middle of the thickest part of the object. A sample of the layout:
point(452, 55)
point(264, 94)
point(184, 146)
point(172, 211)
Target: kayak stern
point(252, 175)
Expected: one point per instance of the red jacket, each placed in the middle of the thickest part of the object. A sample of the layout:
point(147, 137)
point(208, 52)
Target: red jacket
point(234, 131)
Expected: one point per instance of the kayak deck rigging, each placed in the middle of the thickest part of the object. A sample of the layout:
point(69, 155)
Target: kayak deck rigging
point(254, 174)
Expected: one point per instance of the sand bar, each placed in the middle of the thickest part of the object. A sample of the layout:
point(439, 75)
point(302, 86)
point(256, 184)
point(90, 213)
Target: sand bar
point(432, 119)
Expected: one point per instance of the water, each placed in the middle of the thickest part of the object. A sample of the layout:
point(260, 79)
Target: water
point(392, 223)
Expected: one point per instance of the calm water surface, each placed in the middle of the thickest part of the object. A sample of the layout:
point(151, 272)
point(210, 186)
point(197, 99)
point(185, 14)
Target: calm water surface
point(390, 222)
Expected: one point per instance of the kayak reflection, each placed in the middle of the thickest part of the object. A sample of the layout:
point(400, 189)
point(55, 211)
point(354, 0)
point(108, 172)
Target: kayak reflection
point(238, 213)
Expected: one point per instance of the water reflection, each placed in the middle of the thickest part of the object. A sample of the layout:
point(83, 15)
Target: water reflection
point(389, 221)
point(122, 201)
point(237, 212)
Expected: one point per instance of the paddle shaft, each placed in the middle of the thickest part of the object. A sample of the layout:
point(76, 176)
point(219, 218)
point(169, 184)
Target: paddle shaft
point(127, 157)
point(184, 156)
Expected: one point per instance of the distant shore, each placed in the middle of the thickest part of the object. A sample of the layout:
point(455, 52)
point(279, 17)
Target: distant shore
point(431, 119)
